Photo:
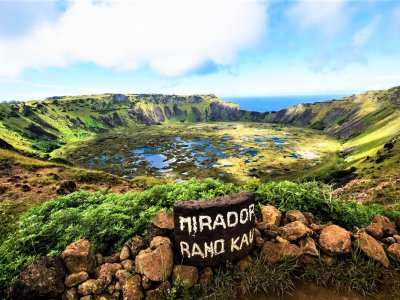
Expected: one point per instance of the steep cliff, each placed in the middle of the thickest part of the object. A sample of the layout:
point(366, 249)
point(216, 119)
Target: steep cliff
point(42, 126)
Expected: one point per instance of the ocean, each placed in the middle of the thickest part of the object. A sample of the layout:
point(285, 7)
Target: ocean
point(275, 103)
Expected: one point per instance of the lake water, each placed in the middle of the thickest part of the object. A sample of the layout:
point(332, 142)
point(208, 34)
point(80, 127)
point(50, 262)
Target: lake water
point(275, 103)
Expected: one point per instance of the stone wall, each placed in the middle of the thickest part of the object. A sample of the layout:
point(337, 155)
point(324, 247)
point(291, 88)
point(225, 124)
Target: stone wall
point(147, 266)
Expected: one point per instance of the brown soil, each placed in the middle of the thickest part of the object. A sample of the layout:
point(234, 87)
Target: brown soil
point(38, 185)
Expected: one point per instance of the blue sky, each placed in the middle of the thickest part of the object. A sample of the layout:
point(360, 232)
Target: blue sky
point(225, 47)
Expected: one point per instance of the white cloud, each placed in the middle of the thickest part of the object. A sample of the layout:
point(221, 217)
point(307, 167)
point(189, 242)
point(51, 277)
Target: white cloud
point(172, 37)
point(362, 36)
point(327, 16)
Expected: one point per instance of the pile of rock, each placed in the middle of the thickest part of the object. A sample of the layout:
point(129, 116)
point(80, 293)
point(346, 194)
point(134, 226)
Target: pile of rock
point(146, 267)
point(299, 234)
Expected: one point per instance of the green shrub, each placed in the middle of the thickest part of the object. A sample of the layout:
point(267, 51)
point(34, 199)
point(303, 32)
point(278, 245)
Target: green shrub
point(109, 219)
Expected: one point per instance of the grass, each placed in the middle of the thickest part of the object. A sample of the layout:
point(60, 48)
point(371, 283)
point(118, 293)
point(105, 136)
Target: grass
point(352, 273)
point(109, 219)
point(271, 161)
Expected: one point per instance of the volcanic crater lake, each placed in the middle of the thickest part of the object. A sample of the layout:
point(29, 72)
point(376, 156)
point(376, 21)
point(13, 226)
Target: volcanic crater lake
point(231, 151)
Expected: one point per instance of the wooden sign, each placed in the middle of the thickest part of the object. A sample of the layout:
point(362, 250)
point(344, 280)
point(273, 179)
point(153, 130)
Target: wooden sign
point(214, 231)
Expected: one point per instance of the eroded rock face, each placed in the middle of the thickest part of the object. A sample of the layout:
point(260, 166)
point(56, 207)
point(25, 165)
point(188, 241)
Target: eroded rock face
point(294, 231)
point(155, 264)
point(371, 248)
point(43, 278)
point(271, 215)
point(186, 275)
point(274, 252)
point(77, 258)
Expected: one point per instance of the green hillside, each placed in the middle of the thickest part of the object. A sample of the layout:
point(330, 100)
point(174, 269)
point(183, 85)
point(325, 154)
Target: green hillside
point(41, 126)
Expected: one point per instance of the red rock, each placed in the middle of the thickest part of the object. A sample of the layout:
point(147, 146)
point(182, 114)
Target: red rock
point(274, 252)
point(335, 240)
point(294, 231)
point(77, 258)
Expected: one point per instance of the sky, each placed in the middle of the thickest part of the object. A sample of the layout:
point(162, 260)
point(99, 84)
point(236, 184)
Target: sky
point(223, 47)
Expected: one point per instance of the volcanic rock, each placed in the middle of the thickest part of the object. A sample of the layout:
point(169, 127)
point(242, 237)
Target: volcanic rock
point(77, 258)
point(43, 278)
point(335, 240)
point(293, 231)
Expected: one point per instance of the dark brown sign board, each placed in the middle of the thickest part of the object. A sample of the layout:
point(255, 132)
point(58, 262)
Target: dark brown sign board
point(210, 232)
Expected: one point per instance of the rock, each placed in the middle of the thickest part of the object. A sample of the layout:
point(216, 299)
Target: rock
point(309, 217)
point(90, 286)
point(76, 278)
point(112, 259)
point(274, 252)
point(116, 98)
point(132, 290)
point(43, 278)
point(272, 232)
point(77, 258)
point(316, 227)
point(328, 260)
point(389, 240)
point(271, 215)
point(107, 270)
point(281, 240)
point(294, 231)
point(308, 246)
point(394, 251)
point(125, 253)
point(245, 263)
point(147, 284)
point(158, 241)
point(103, 296)
point(388, 227)
point(25, 188)
point(135, 244)
point(164, 220)
point(372, 248)
point(398, 222)
point(128, 265)
point(66, 187)
point(259, 242)
point(99, 259)
point(186, 275)
point(70, 294)
point(153, 231)
point(155, 264)
point(397, 238)
point(296, 215)
point(335, 240)
point(206, 276)
point(375, 230)
point(123, 276)
point(159, 293)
